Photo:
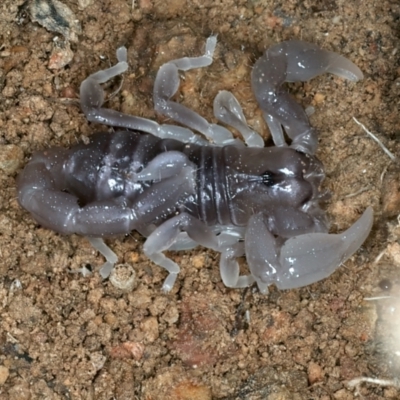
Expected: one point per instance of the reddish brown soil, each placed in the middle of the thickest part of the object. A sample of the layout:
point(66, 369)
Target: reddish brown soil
point(63, 336)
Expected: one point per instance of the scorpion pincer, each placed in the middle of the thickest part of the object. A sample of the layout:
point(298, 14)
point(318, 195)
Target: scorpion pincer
point(181, 189)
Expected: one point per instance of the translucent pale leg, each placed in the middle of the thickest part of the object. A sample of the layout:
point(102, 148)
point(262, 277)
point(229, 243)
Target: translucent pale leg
point(107, 253)
point(166, 85)
point(230, 235)
point(162, 166)
point(183, 242)
point(226, 238)
point(92, 99)
point(275, 128)
point(164, 236)
point(229, 267)
point(228, 110)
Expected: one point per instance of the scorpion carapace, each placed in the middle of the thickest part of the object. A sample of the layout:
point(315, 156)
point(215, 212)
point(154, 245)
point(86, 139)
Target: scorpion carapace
point(180, 190)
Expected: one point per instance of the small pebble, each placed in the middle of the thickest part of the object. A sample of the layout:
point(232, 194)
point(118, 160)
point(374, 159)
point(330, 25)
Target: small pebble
point(61, 55)
point(187, 390)
point(315, 373)
point(55, 17)
point(123, 277)
point(82, 4)
point(11, 158)
point(128, 350)
point(97, 359)
point(4, 372)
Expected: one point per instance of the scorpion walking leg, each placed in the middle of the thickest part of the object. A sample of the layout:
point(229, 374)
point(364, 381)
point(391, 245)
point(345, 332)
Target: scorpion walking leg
point(304, 259)
point(164, 236)
point(226, 238)
point(294, 61)
point(92, 99)
point(229, 267)
point(167, 84)
point(107, 253)
point(183, 242)
point(228, 110)
point(164, 165)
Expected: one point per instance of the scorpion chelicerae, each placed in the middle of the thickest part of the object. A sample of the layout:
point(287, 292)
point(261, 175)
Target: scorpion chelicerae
point(181, 189)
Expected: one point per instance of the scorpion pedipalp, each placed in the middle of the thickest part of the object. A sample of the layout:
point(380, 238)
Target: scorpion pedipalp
point(304, 259)
point(294, 61)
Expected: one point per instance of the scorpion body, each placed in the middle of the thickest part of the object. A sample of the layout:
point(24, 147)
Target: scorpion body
point(179, 190)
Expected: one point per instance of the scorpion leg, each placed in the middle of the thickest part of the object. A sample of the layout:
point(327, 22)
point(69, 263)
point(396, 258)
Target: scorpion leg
point(167, 84)
point(92, 99)
point(229, 267)
point(163, 166)
point(107, 253)
point(228, 110)
point(226, 237)
point(293, 61)
point(164, 236)
point(304, 259)
point(183, 242)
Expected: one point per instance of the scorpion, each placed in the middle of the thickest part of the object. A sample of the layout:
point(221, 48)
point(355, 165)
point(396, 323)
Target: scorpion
point(196, 184)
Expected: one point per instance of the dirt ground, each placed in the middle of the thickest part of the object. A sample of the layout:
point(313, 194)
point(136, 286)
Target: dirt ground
point(65, 336)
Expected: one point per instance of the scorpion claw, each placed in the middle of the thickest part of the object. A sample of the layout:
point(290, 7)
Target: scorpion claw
point(294, 61)
point(311, 257)
point(303, 259)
